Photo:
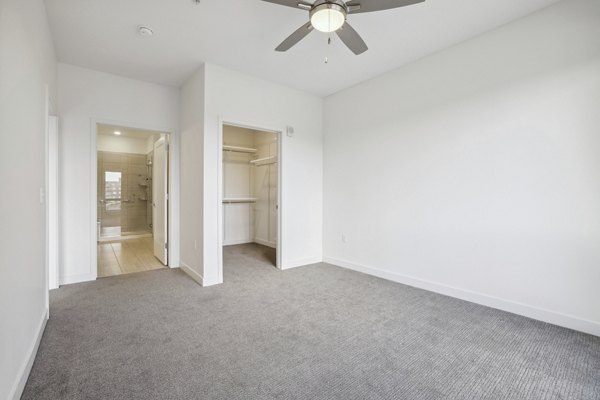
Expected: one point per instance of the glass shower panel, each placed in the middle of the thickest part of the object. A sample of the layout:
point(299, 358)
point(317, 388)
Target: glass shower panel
point(112, 190)
point(113, 202)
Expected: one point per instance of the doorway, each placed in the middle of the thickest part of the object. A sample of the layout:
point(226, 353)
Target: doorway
point(250, 198)
point(132, 196)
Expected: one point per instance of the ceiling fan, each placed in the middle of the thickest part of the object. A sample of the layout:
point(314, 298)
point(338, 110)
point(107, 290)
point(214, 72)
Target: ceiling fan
point(330, 16)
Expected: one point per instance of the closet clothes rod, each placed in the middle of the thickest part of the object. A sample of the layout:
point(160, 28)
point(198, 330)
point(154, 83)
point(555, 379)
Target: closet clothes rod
point(264, 161)
point(238, 149)
point(230, 200)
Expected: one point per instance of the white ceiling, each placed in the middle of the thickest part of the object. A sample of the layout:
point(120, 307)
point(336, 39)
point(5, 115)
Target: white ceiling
point(109, 130)
point(241, 35)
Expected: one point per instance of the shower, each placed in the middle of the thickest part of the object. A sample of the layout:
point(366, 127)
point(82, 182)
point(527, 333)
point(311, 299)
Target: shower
point(124, 187)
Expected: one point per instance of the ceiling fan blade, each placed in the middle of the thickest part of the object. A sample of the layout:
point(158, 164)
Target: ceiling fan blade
point(292, 3)
point(363, 6)
point(295, 37)
point(352, 39)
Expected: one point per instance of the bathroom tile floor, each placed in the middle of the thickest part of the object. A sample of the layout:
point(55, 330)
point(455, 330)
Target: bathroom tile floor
point(126, 256)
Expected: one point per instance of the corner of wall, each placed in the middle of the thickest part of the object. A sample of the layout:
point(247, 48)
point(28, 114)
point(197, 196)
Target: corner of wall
point(191, 127)
point(192, 273)
point(17, 390)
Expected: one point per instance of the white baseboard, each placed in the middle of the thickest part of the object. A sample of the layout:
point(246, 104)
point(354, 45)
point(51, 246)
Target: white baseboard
point(541, 314)
point(211, 282)
point(67, 280)
point(204, 282)
point(245, 241)
point(193, 274)
point(19, 385)
point(265, 243)
point(234, 242)
point(300, 262)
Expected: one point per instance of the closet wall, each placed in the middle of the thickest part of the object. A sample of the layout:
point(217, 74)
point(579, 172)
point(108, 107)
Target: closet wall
point(249, 186)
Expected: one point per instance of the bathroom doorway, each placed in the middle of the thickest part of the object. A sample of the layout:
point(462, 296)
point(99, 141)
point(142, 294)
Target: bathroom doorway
point(132, 196)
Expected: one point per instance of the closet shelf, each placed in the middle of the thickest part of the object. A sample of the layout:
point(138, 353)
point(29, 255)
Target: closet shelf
point(239, 149)
point(264, 161)
point(239, 200)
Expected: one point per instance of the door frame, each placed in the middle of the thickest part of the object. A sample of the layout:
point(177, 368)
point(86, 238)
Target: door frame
point(51, 189)
point(173, 190)
point(280, 209)
point(52, 220)
point(165, 140)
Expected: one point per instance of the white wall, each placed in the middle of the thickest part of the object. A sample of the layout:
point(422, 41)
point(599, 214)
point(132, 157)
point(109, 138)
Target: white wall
point(192, 171)
point(150, 143)
point(238, 182)
point(235, 97)
point(27, 65)
point(123, 144)
point(475, 172)
point(86, 97)
point(214, 94)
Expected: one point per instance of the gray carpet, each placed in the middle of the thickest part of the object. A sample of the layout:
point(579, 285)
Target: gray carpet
point(315, 332)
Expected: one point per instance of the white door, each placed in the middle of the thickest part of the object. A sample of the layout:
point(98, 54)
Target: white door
point(159, 199)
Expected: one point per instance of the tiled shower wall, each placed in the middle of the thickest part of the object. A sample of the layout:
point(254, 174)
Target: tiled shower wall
point(133, 215)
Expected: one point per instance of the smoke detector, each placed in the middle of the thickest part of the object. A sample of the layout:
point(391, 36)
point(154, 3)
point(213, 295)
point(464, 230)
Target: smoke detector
point(145, 31)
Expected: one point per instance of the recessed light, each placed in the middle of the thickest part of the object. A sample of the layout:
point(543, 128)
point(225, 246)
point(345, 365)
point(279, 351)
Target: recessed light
point(117, 133)
point(145, 31)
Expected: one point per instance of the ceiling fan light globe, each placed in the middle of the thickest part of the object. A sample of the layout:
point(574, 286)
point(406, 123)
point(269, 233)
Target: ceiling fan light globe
point(327, 17)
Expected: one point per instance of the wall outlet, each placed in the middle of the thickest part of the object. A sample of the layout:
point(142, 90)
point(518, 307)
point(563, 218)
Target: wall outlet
point(344, 238)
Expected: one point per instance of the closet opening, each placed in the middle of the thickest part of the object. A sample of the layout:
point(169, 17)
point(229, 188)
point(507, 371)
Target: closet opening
point(132, 196)
point(250, 200)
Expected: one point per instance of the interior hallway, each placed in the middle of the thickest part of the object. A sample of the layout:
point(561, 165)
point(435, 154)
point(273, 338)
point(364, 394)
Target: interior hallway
point(119, 257)
point(313, 332)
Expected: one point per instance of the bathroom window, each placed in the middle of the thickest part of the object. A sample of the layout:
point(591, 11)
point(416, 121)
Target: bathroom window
point(112, 190)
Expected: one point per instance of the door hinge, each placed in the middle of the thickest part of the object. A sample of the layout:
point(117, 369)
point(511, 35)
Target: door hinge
point(166, 245)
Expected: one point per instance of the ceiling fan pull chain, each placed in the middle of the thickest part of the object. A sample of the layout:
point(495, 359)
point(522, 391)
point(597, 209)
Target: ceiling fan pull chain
point(328, 47)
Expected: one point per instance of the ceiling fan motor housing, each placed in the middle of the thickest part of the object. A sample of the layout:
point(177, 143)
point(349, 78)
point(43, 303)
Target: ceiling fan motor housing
point(328, 16)
point(336, 2)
